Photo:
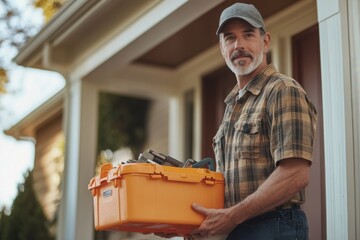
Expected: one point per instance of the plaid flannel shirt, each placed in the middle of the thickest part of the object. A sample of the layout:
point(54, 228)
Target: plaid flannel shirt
point(270, 119)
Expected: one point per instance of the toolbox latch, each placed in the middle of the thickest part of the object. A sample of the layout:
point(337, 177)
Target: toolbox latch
point(156, 175)
point(209, 181)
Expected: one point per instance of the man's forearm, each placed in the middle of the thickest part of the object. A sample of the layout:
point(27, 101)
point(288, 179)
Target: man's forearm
point(289, 178)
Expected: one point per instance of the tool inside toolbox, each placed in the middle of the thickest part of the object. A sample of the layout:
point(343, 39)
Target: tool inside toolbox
point(150, 156)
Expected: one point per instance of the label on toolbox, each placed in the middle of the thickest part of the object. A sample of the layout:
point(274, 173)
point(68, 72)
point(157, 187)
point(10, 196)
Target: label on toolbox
point(107, 193)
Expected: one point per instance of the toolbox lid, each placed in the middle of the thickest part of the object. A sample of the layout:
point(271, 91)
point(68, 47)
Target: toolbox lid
point(109, 173)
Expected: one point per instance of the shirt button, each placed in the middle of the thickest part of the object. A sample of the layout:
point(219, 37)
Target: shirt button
point(246, 128)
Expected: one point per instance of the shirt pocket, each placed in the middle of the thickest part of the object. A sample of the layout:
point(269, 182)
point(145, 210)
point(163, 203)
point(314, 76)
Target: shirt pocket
point(219, 148)
point(248, 138)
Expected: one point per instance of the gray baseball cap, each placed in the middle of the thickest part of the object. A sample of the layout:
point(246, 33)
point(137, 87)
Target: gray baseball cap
point(242, 11)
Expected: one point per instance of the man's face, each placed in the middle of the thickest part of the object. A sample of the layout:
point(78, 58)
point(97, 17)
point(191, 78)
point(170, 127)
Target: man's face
point(243, 47)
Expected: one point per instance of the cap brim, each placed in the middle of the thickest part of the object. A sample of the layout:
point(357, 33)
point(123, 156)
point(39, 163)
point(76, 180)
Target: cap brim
point(252, 23)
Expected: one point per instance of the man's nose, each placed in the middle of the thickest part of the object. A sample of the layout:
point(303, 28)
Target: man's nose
point(238, 44)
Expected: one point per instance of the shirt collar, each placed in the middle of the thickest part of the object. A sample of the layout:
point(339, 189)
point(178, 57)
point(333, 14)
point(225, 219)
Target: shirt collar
point(254, 86)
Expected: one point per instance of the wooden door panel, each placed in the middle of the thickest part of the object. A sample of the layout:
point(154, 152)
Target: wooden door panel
point(215, 87)
point(307, 70)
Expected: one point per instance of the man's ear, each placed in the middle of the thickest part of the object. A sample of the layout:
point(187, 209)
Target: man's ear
point(221, 46)
point(266, 40)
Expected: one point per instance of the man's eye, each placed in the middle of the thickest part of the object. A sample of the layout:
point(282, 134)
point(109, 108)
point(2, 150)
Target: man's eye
point(229, 38)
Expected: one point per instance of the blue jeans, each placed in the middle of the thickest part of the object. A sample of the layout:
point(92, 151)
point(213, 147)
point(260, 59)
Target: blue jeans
point(284, 224)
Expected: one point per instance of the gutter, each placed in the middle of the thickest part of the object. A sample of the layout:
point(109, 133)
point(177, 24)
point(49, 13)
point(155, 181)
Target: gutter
point(67, 15)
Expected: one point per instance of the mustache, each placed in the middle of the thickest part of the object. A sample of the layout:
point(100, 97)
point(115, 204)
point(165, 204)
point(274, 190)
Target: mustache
point(240, 53)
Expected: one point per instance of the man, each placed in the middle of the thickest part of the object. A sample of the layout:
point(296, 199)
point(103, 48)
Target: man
point(265, 142)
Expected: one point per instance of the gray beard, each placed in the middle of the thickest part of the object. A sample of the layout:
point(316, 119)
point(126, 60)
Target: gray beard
point(240, 70)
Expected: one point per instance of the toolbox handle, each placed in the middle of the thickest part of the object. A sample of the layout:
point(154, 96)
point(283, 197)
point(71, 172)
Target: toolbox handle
point(183, 177)
point(104, 170)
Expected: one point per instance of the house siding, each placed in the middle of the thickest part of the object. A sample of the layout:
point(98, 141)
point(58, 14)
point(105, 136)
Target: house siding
point(48, 165)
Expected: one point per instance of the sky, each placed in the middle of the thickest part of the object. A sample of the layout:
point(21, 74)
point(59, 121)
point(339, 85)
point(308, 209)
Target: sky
point(17, 157)
point(33, 87)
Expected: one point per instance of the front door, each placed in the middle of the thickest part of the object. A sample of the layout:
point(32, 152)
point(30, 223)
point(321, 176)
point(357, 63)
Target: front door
point(215, 87)
point(306, 70)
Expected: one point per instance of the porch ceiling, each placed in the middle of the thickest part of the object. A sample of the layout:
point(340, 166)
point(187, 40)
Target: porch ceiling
point(200, 35)
point(97, 38)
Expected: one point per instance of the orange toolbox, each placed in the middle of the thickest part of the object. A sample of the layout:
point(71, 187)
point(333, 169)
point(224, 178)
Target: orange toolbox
point(150, 198)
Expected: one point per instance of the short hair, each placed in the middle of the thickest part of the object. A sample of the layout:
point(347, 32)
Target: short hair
point(262, 32)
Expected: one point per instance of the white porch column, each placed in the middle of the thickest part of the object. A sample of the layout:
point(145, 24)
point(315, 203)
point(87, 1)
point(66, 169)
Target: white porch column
point(76, 210)
point(338, 111)
point(354, 30)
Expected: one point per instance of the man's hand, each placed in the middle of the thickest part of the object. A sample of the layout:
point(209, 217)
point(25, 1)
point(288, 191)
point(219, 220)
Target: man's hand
point(217, 221)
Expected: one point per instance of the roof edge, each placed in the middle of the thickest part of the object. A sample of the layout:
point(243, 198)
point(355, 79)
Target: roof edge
point(70, 12)
point(25, 128)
